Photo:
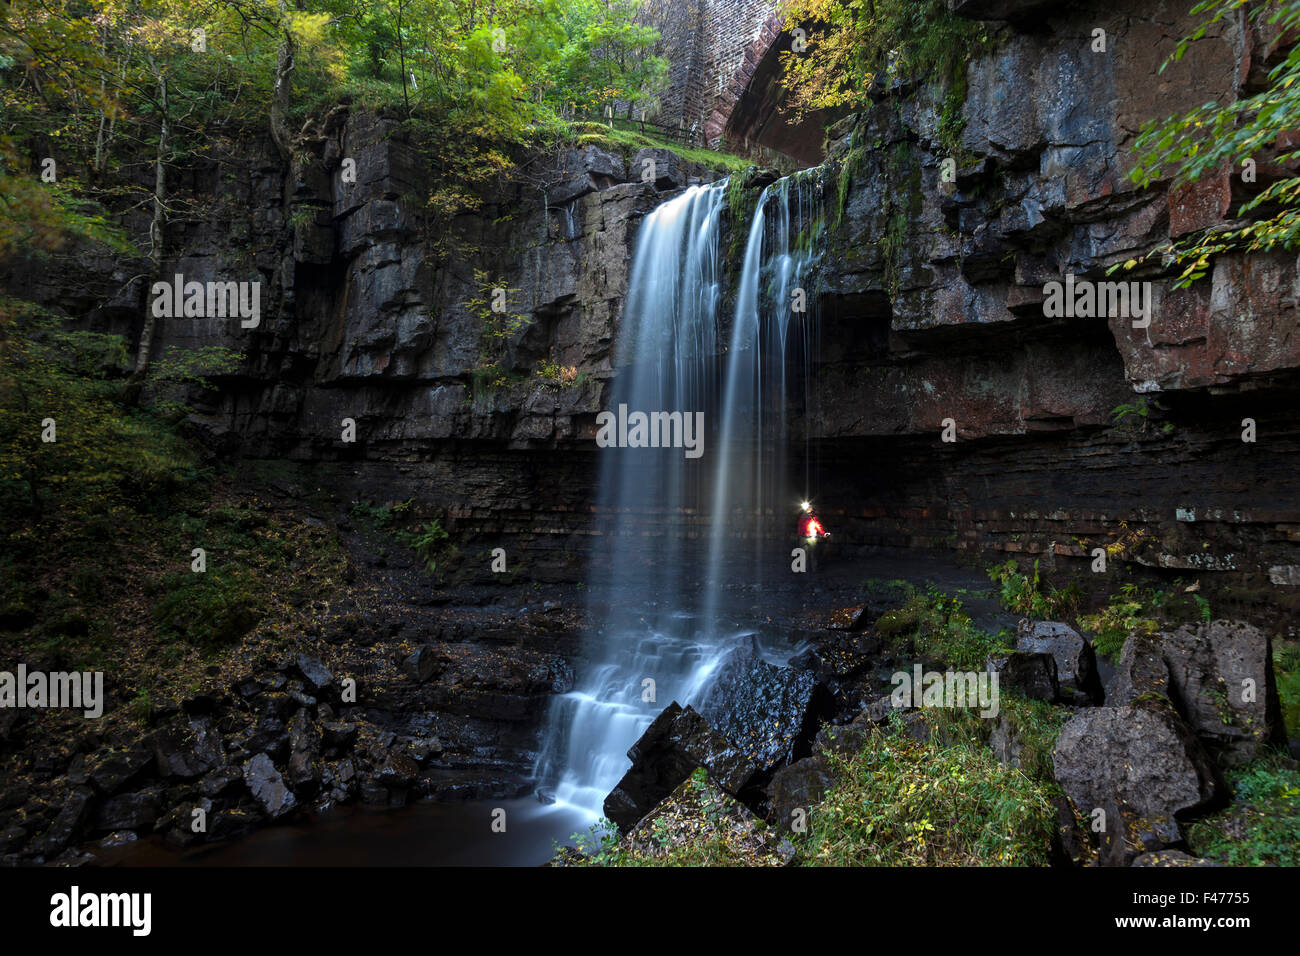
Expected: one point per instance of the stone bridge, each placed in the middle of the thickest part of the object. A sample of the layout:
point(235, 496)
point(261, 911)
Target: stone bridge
point(723, 87)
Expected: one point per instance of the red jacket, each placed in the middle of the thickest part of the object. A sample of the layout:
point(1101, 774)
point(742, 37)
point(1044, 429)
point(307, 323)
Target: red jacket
point(810, 527)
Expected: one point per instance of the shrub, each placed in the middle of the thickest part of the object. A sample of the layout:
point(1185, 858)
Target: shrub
point(903, 802)
point(211, 609)
point(1262, 826)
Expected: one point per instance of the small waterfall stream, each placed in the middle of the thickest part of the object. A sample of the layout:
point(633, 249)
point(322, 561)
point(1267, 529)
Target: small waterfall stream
point(659, 605)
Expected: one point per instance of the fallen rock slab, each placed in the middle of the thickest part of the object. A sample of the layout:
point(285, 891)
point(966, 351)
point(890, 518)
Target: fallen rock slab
point(1142, 755)
point(675, 743)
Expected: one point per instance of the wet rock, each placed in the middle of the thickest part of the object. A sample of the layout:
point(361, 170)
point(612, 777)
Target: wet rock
point(317, 676)
point(849, 618)
point(422, 749)
point(224, 780)
point(115, 770)
point(178, 753)
point(339, 735)
point(1033, 675)
point(794, 791)
point(130, 811)
point(304, 747)
point(1076, 664)
point(268, 736)
point(66, 826)
point(268, 787)
point(769, 713)
point(1142, 755)
point(233, 821)
point(398, 771)
point(420, 665)
point(675, 743)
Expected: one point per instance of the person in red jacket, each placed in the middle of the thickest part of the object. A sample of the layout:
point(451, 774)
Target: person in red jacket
point(810, 526)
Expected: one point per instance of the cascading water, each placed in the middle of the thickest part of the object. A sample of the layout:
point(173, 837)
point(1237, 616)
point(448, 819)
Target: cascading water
point(657, 598)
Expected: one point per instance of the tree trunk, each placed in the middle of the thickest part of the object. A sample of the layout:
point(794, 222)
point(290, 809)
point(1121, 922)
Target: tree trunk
point(285, 61)
point(157, 226)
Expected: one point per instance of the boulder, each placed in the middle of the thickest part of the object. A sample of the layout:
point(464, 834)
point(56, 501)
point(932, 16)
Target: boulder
point(1142, 755)
point(66, 826)
point(1141, 670)
point(315, 673)
point(798, 787)
point(1128, 835)
point(187, 753)
point(130, 811)
point(420, 665)
point(770, 713)
point(1220, 678)
point(268, 787)
point(1076, 664)
point(115, 770)
point(675, 743)
point(1030, 674)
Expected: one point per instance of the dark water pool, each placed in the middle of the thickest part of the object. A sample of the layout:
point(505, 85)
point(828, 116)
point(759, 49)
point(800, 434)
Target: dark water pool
point(423, 834)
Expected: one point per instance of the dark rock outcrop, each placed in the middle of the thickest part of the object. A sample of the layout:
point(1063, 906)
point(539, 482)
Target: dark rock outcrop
point(770, 713)
point(1142, 755)
point(672, 747)
point(1219, 677)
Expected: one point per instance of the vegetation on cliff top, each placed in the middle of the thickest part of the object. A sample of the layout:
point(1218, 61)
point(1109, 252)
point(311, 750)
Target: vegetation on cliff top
point(846, 51)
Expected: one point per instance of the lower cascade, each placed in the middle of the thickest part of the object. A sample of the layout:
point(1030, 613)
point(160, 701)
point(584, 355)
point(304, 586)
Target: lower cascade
point(686, 532)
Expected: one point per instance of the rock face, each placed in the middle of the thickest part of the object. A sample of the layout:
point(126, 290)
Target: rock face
point(1220, 678)
point(676, 743)
point(1142, 755)
point(769, 712)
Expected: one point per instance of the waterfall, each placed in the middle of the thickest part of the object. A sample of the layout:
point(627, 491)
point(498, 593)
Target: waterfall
point(658, 598)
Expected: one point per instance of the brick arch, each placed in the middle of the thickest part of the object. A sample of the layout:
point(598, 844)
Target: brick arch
point(734, 87)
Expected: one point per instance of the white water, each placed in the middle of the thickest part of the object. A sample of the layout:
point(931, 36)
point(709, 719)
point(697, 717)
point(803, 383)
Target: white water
point(660, 605)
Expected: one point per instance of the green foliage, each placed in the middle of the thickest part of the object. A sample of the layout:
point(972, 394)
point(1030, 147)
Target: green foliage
point(940, 630)
point(1023, 592)
point(856, 47)
point(628, 139)
point(1216, 136)
point(1262, 825)
point(555, 376)
point(1286, 669)
point(105, 455)
point(1125, 614)
point(427, 542)
point(900, 802)
point(211, 609)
